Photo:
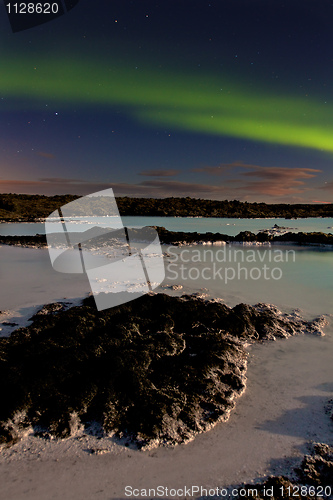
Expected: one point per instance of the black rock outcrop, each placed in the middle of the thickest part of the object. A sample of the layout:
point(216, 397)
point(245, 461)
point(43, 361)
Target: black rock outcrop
point(314, 480)
point(317, 468)
point(159, 369)
point(192, 238)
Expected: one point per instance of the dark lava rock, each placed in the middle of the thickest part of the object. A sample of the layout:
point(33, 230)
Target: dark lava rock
point(275, 488)
point(189, 238)
point(314, 238)
point(317, 468)
point(38, 240)
point(159, 369)
point(315, 480)
point(98, 451)
point(53, 308)
point(329, 408)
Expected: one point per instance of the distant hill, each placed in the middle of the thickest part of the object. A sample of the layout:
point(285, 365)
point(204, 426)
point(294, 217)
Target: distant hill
point(14, 207)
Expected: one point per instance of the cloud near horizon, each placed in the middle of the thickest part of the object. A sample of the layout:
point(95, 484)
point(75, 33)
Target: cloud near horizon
point(51, 186)
point(160, 173)
point(278, 181)
point(328, 186)
point(278, 185)
point(62, 180)
point(152, 188)
point(50, 156)
point(271, 181)
point(222, 168)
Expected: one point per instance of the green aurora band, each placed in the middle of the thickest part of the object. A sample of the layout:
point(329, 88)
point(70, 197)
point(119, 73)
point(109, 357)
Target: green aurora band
point(211, 105)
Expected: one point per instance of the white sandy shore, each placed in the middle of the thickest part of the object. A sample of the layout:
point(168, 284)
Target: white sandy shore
point(282, 410)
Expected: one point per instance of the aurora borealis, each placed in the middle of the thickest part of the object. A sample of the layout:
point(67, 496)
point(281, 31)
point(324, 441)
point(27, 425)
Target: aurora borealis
point(225, 114)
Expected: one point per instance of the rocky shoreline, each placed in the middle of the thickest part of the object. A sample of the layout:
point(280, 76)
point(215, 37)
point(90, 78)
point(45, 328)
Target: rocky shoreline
point(182, 238)
point(36, 241)
point(313, 479)
point(194, 238)
point(158, 370)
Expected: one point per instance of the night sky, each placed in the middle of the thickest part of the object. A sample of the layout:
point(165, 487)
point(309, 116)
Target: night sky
point(210, 99)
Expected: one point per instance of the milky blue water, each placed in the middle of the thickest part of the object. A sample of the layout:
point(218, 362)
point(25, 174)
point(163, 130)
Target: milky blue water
point(304, 280)
point(187, 224)
point(288, 276)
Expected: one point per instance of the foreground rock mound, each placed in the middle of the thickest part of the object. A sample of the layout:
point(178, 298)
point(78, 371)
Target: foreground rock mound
point(159, 369)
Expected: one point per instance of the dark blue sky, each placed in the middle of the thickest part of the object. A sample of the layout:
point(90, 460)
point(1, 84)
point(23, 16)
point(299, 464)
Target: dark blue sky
point(210, 99)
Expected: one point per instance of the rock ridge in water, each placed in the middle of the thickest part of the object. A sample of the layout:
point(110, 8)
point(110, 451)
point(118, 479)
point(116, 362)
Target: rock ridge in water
point(180, 238)
point(159, 369)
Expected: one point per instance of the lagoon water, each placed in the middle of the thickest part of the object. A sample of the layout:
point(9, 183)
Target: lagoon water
point(290, 277)
point(228, 226)
point(287, 276)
